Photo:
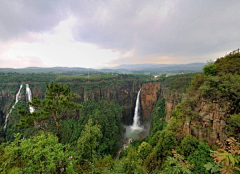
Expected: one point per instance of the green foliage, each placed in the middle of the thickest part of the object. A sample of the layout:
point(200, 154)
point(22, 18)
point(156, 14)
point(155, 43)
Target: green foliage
point(105, 165)
point(189, 144)
point(162, 77)
point(213, 168)
point(58, 103)
point(108, 117)
point(175, 165)
point(199, 158)
point(40, 154)
point(70, 130)
point(166, 143)
point(178, 83)
point(223, 88)
point(158, 114)
point(89, 141)
point(153, 139)
point(209, 69)
point(131, 164)
point(228, 157)
point(196, 82)
point(144, 150)
point(228, 64)
point(233, 126)
point(100, 77)
point(30, 77)
point(175, 125)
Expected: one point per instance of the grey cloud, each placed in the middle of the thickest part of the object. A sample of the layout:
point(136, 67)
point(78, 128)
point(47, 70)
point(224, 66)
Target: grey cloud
point(190, 28)
point(20, 17)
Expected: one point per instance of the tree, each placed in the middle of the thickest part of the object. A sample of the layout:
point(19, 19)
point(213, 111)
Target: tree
point(108, 116)
point(209, 69)
point(199, 158)
point(189, 144)
point(233, 126)
point(130, 164)
point(58, 103)
point(144, 150)
point(40, 154)
point(89, 141)
point(167, 141)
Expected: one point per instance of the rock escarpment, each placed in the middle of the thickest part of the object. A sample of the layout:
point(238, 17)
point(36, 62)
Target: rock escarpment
point(211, 122)
point(149, 95)
point(171, 101)
point(124, 93)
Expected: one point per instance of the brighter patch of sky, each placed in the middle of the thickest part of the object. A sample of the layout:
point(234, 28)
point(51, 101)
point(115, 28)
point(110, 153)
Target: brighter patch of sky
point(58, 48)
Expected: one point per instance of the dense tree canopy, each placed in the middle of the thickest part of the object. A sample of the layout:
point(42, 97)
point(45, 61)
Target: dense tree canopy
point(58, 103)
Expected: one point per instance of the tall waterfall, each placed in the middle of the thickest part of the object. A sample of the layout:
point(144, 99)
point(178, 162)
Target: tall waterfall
point(136, 118)
point(29, 97)
point(16, 100)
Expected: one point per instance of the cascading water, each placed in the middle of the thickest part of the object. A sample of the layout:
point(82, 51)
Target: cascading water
point(16, 100)
point(133, 131)
point(29, 97)
point(136, 118)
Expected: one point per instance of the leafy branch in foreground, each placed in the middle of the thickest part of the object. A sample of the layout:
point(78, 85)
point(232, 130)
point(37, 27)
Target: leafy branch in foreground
point(226, 158)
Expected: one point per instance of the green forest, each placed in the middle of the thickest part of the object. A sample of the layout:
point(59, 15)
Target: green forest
point(78, 123)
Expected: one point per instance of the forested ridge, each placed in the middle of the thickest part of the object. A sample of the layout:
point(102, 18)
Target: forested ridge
point(64, 135)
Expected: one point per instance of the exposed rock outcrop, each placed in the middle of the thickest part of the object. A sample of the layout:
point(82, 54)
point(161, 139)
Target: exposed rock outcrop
point(211, 122)
point(149, 95)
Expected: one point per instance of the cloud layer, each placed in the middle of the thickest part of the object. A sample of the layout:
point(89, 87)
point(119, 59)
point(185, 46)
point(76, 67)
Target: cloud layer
point(130, 31)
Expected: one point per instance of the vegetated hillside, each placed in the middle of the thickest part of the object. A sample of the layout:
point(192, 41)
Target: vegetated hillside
point(207, 118)
point(190, 130)
point(116, 88)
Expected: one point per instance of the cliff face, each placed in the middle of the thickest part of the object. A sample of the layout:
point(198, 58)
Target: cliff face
point(124, 93)
point(211, 122)
point(171, 101)
point(149, 95)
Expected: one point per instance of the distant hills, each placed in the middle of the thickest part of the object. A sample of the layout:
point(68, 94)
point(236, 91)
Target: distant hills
point(159, 68)
point(125, 68)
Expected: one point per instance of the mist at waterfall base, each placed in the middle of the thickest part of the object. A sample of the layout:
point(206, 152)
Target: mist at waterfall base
point(134, 132)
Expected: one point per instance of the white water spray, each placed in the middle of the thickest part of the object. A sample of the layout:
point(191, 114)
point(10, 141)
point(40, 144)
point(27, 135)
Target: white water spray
point(136, 118)
point(16, 100)
point(29, 97)
point(133, 131)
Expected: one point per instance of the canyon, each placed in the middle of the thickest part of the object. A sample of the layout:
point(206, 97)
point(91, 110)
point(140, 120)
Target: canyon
point(210, 125)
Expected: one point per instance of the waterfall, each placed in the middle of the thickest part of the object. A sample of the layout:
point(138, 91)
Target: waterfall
point(16, 100)
point(29, 98)
point(136, 118)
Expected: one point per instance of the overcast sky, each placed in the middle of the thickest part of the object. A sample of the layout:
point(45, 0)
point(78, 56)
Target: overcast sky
point(103, 33)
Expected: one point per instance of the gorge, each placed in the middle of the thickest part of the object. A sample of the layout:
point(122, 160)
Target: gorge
point(175, 120)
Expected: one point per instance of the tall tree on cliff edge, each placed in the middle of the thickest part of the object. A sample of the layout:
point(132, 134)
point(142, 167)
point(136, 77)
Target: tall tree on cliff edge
point(58, 103)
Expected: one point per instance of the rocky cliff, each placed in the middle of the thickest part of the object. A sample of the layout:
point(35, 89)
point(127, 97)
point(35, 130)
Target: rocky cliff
point(124, 93)
point(149, 95)
point(211, 123)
